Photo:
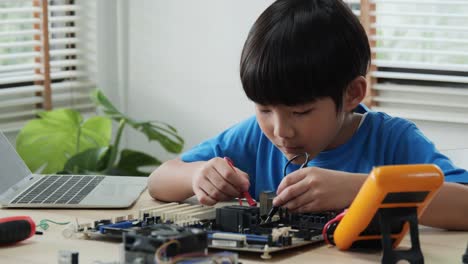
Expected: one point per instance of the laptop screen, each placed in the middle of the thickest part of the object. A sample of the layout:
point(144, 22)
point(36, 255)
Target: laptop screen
point(12, 167)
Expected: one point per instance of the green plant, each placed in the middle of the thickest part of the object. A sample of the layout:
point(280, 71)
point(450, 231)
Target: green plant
point(62, 141)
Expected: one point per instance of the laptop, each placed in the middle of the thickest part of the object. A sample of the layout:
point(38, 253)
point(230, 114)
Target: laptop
point(20, 188)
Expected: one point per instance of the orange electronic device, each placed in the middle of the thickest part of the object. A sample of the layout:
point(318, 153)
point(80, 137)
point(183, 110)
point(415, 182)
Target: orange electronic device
point(388, 204)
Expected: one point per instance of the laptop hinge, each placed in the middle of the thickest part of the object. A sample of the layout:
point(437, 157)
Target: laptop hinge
point(18, 188)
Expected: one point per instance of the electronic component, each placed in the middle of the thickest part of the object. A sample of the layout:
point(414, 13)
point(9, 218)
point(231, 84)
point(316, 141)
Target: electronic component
point(230, 227)
point(309, 220)
point(15, 229)
point(163, 241)
point(266, 202)
point(67, 257)
point(236, 218)
point(221, 257)
point(465, 256)
point(388, 204)
point(220, 239)
point(309, 225)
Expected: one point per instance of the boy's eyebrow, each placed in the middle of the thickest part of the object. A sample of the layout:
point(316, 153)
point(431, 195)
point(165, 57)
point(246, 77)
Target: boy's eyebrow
point(308, 104)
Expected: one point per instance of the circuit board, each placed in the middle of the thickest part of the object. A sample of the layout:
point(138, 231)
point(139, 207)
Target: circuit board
point(231, 227)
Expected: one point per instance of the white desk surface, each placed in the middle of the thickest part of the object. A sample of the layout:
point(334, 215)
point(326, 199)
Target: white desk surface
point(438, 246)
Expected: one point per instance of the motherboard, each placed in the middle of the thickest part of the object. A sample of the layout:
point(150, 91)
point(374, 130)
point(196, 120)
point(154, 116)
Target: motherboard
point(175, 230)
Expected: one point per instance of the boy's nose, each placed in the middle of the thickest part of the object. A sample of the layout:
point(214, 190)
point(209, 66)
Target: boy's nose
point(283, 130)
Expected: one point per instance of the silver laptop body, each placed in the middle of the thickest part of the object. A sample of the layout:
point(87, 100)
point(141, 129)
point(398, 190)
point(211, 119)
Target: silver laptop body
point(19, 187)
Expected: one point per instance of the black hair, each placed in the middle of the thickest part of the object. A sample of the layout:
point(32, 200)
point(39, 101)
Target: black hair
point(301, 50)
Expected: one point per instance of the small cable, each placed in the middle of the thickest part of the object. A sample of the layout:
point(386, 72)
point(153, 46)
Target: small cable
point(307, 159)
point(162, 249)
point(330, 227)
point(275, 209)
point(44, 225)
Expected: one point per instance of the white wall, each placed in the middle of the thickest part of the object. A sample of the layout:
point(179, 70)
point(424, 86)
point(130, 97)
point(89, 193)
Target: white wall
point(446, 136)
point(178, 62)
point(184, 65)
point(109, 55)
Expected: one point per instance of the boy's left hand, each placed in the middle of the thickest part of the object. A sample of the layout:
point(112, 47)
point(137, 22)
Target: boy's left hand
point(314, 189)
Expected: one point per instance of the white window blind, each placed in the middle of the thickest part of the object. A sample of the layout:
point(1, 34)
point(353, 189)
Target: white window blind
point(47, 58)
point(355, 5)
point(420, 58)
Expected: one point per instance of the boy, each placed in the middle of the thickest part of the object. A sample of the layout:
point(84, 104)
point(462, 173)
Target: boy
point(303, 65)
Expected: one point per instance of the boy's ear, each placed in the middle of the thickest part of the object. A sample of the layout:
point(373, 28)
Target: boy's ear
point(355, 93)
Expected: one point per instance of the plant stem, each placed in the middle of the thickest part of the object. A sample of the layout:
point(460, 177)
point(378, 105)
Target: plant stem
point(115, 147)
point(78, 140)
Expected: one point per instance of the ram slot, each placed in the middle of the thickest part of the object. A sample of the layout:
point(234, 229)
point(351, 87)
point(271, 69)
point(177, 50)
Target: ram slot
point(166, 214)
point(148, 210)
point(205, 215)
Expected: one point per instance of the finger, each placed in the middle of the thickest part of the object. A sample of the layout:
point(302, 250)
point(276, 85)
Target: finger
point(222, 184)
point(299, 202)
point(290, 193)
point(310, 207)
point(203, 197)
point(291, 179)
point(231, 176)
point(245, 176)
point(210, 189)
point(242, 174)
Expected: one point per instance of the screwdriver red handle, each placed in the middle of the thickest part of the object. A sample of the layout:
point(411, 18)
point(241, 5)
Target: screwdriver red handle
point(15, 229)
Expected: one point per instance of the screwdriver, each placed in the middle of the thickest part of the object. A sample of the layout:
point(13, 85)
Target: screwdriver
point(15, 229)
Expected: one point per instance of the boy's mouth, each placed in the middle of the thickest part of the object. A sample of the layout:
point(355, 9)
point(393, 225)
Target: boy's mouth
point(292, 149)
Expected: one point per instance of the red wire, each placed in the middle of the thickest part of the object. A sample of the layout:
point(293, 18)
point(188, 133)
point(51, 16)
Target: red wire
point(245, 195)
point(329, 223)
point(250, 201)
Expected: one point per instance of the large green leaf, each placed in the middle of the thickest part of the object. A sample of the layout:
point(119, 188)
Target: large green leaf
point(93, 159)
point(48, 142)
point(109, 109)
point(164, 133)
point(130, 162)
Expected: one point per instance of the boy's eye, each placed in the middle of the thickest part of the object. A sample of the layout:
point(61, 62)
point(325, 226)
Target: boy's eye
point(302, 112)
point(264, 111)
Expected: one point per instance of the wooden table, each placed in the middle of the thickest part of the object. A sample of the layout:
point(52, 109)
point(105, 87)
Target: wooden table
point(438, 246)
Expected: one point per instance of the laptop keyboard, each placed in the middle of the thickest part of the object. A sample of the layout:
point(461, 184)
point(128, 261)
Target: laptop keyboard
point(59, 189)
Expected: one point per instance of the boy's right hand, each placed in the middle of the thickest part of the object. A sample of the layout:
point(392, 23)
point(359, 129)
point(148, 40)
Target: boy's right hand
point(216, 181)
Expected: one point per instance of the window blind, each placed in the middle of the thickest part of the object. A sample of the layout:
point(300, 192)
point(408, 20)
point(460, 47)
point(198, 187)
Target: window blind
point(47, 58)
point(355, 5)
point(419, 58)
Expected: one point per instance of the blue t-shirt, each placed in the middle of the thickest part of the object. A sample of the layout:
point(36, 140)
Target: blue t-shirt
point(380, 140)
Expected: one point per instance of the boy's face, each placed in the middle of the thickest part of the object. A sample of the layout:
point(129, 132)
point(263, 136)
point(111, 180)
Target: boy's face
point(311, 127)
